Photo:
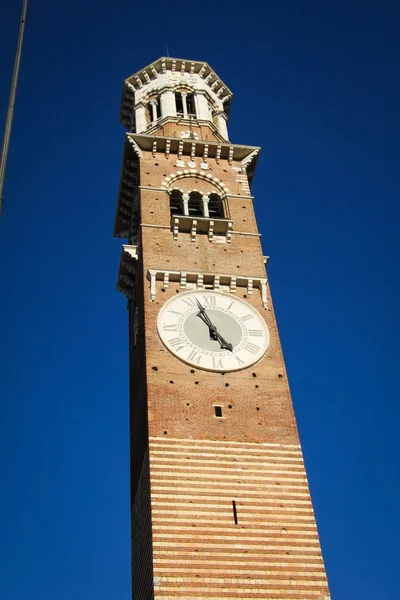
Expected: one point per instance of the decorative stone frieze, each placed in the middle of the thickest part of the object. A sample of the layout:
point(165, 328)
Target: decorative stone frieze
point(221, 228)
point(193, 280)
point(189, 149)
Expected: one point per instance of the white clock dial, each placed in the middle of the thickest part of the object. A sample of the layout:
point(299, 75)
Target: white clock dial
point(212, 330)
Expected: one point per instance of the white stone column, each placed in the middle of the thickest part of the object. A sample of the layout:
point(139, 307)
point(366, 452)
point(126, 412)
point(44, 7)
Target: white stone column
point(222, 128)
point(196, 105)
point(205, 206)
point(185, 198)
point(168, 106)
point(203, 111)
point(185, 110)
point(140, 116)
point(154, 110)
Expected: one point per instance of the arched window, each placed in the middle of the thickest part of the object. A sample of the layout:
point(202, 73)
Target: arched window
point(179, 103)
point(215, 207)
point(191, 106)
point(195, 204)
point(176, 202)
point(185, 105)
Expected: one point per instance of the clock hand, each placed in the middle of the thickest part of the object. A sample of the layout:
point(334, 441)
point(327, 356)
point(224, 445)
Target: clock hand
point(203, 312)
point(211, 327)
point(204, 317)
point(214, 334)
point(223, 343)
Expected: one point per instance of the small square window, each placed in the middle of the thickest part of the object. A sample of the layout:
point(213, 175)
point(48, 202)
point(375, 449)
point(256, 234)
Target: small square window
point(218, 411)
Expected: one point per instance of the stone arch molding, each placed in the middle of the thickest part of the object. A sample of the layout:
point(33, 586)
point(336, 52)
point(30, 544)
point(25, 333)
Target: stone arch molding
point(150, 95)
point(154, 92)
point(169, 182)
point(183, 86)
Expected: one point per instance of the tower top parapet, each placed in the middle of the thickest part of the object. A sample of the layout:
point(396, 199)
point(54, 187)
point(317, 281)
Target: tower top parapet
point(179, 91)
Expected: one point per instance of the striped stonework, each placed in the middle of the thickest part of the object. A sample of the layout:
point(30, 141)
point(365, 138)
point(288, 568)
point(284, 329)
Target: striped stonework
point(200, 552)
point(142, 567)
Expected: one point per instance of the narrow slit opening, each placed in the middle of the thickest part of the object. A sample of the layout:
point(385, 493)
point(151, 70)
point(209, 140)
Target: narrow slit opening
point(235, 517)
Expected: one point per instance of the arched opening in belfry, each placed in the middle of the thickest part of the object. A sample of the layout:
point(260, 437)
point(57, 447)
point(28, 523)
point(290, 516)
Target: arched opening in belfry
point(215, 207)
point(179, 103)
point(191, 106)
point(195, 204)
point(176, 202)
point(185, 104)
point(154, 110)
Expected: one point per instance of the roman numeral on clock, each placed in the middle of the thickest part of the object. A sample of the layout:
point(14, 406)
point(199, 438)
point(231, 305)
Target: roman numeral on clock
point(255, 333)
point(217, 363)
point(174, 312)
point(252, 348)
point(247, 317)
point(170, 327)
point(194, 357)
point(176, 343)
point(189, 301)
point(209, 300)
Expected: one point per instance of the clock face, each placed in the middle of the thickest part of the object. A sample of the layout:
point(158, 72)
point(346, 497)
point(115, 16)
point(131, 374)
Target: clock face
point(212, 330)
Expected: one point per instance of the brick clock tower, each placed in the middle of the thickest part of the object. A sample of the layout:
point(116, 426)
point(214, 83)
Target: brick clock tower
point(220, 504)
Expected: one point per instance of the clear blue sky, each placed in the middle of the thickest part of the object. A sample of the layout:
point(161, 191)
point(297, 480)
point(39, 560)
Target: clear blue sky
point(316, 84)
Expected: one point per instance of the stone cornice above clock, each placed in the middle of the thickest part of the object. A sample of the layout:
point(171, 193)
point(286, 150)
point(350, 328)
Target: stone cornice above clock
point(197, 281)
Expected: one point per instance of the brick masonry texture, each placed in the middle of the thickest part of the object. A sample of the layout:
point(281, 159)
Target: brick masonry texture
point(200, 464)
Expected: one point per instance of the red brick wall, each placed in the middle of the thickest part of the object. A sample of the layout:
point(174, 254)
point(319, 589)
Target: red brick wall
point(200, 464)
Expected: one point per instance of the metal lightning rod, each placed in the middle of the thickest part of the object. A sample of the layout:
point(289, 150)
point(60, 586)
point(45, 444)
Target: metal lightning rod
point(11, 103)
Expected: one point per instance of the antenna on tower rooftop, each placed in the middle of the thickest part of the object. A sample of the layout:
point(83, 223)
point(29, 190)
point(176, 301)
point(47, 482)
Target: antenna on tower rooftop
point(11, 103)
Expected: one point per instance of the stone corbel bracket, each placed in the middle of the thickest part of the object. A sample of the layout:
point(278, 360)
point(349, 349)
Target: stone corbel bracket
point(265, 259)
point(198, 281)
point(136, 148)
point(127, 270)
point(246, 162)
